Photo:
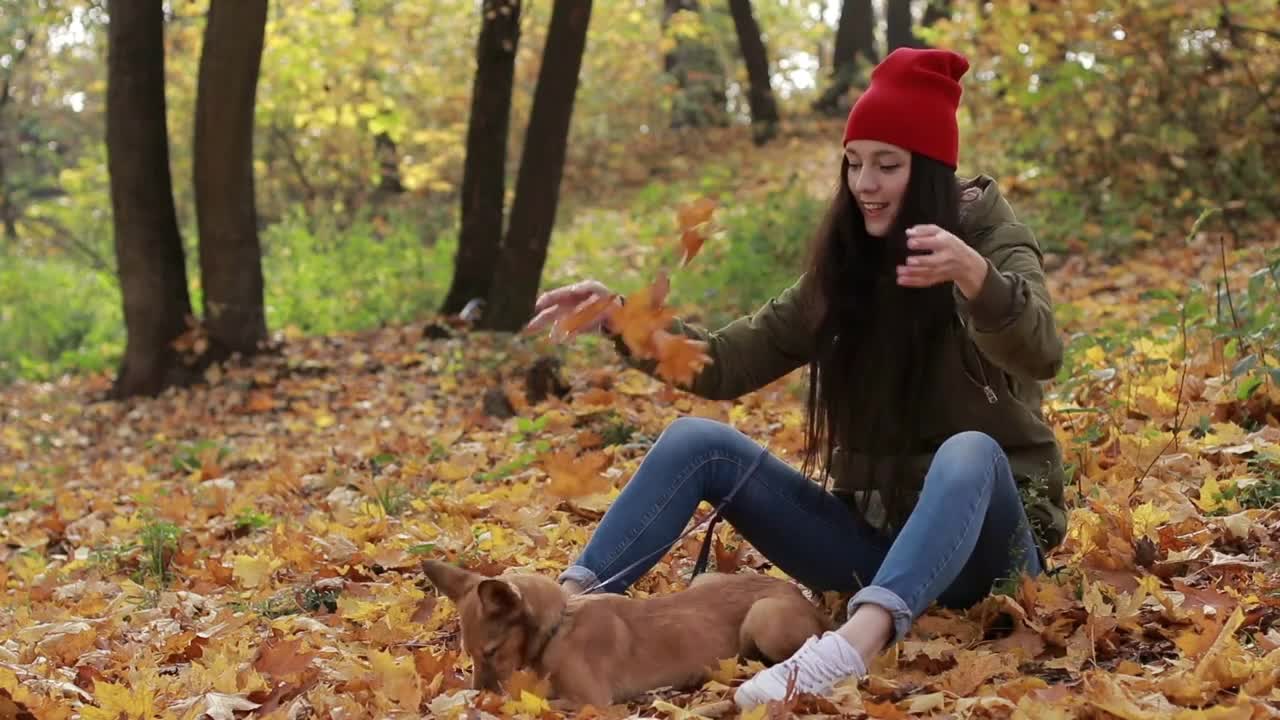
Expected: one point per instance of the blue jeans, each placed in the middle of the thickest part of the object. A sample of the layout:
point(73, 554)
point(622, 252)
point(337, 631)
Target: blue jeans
point(968, 529)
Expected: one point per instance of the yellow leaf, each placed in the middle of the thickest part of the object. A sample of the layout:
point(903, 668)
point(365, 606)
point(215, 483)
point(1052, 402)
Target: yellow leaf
point(1146, 518)
point(676, 712)
point(360, 611)
point(252, 571)
point(726, 671)
point(397, 678)
point(528, 704)
point(1210, 495)
point(119, 702)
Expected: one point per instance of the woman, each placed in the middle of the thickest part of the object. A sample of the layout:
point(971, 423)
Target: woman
point(926, 325)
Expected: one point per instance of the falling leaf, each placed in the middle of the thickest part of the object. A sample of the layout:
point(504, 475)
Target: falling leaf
point(680, 358)
point(642, 315)
point(692, 219)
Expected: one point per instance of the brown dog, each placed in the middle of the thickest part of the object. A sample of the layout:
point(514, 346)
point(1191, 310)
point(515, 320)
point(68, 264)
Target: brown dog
point(604, 649)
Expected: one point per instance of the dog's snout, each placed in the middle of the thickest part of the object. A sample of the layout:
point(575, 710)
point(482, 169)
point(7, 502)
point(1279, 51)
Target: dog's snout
point(484, 678)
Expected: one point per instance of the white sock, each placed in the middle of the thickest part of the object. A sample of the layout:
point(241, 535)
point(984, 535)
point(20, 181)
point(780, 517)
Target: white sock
point(822, 662)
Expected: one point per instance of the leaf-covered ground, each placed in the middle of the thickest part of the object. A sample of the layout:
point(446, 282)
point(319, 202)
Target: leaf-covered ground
point(250, 547)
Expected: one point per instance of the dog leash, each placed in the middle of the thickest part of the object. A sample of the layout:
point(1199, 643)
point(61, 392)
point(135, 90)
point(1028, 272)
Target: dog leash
point(701, 563)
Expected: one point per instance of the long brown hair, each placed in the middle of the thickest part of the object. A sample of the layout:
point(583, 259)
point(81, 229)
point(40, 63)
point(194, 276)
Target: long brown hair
point(875, 340)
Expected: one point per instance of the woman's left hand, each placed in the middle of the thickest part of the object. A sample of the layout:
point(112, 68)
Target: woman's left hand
point(949, 259)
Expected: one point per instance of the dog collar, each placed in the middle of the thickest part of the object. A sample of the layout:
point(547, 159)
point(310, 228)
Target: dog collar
point(535, 658)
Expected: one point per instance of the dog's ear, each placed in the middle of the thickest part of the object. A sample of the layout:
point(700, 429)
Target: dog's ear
point(451, 580)
point(499, 598)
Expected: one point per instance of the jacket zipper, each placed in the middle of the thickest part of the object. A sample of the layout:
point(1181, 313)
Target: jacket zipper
point(992, 398)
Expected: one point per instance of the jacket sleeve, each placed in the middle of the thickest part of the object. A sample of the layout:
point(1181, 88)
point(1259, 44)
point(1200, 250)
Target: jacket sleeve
point(1012, 316)
point(749, 352)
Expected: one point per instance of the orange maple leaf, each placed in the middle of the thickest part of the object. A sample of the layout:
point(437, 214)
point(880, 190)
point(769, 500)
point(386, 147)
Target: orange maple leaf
point(693, 218)
point(680, 358)
point(642, 315)
point(573, 476)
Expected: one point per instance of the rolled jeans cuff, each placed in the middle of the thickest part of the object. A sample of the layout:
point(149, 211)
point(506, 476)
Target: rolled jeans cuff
point(889, 600)
point(580, 575)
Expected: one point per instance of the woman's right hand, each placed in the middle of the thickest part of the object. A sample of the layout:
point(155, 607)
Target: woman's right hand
point(555, 305)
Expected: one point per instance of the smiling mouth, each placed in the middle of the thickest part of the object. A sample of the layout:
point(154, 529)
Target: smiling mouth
point(874, 208)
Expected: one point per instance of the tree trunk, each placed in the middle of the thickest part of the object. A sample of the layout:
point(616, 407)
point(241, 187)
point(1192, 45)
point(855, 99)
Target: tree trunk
point(700, 96)
point(898, 25)
point(230, 255)
point(388, 155)
point(764, 110)
point(855, 44)
point(484, 172)
point(935, 10)
point(533, 212)
point(149, 255)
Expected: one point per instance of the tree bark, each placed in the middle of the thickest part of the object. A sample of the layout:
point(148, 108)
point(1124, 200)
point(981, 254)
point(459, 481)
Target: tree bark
point(533, 211)
point(855, 44)
point(764, 109)
point(898, 25)
point(148, 246)
point(230, 254)
point(484, 171)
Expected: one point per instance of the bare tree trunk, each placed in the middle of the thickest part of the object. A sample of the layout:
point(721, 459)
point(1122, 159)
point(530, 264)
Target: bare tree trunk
point(898, 25)
point(533, 212)
point(230, 254)
point(149, 255)
point(764, 109)
point(855, 46)
point(484, 172)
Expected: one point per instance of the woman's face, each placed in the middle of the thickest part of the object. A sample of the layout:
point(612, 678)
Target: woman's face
point(878, 175)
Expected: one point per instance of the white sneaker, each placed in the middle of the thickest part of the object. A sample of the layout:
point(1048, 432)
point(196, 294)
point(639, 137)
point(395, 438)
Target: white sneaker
point(817, 666)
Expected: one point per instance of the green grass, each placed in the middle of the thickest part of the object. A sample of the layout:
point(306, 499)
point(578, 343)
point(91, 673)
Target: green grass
point(322, 277)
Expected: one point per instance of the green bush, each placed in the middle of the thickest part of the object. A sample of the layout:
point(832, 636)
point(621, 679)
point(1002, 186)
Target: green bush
point(322, 278)
point(56, 317)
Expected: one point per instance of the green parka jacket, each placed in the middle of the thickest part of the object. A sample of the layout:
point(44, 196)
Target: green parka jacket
point(1001, 344)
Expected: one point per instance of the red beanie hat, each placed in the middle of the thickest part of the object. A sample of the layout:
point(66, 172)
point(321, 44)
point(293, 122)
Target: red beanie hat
point(912, 103)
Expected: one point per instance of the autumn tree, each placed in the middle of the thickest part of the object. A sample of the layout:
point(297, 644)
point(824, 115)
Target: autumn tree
point(230, 255)
point(764, 109)
point(694, 66)
point(148, 245)
point(484, 171)
point(855, 46)
point(533, 212)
